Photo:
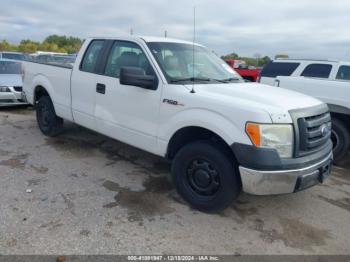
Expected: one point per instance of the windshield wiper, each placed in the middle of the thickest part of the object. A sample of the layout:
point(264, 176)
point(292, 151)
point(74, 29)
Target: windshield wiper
point(191, 79)
point(230, 79)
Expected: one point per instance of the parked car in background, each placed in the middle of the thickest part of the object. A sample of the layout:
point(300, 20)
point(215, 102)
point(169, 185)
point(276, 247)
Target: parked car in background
point(221, 134)
point(328, 81)
point(14, 56)
point(55, 59)
point(296, 67)
point(11, 92)
point(248, 73)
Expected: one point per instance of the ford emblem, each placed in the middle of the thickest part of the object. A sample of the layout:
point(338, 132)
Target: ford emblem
point(324, 130)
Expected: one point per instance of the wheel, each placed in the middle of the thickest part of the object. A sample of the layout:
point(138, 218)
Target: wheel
point(205, 176)
point(49, 123)
point(341, 140)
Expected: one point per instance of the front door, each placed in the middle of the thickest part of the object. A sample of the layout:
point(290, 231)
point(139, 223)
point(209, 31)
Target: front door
point(127, 113)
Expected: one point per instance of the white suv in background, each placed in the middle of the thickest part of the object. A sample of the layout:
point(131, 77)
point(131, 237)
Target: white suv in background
point(328, 81)
point(297, 67)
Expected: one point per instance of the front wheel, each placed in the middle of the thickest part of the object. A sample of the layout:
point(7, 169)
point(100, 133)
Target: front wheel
point(49, 123)
point(341, 140)
point(205, 176)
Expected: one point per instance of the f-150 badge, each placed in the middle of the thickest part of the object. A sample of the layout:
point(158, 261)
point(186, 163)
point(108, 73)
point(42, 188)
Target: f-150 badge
point(172, 102)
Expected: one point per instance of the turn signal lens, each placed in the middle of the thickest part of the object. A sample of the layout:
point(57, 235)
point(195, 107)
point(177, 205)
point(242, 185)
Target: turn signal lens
point(253, 131)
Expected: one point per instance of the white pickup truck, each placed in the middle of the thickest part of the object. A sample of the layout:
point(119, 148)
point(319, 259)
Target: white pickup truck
point(326, 80)
point(178, 100)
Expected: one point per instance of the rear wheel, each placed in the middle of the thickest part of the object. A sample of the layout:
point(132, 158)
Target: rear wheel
point(49, 123)
point(341, 140)
point(205, 176)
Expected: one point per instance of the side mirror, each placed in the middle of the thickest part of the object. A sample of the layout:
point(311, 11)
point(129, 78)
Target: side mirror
point(136, 76)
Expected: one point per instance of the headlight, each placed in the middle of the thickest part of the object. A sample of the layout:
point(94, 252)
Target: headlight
point(277, 136)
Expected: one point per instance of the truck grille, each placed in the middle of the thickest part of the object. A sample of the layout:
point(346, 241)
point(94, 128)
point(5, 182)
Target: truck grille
point(314, 132)
point(312, 127)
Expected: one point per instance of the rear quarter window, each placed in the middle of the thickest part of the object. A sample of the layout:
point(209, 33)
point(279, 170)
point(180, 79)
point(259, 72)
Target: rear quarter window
point(343, 73)
point(91, 55)
point(274, 69)
point(317, 70)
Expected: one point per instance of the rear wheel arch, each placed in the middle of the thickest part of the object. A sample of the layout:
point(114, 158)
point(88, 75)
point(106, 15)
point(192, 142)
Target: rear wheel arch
point(40, 91)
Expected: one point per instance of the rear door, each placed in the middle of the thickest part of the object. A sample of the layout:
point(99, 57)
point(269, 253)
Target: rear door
point(83, 84)
point(124, 112)
point(277, 68)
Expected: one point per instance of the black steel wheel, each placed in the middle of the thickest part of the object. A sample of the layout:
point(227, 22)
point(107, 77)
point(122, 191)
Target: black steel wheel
point(49, 123)
point(205, 176)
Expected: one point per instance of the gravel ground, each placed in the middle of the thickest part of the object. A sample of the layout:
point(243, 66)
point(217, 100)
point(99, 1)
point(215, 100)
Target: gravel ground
point(83, 193)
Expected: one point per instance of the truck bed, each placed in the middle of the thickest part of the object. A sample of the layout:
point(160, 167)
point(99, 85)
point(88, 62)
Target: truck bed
point(57, 83)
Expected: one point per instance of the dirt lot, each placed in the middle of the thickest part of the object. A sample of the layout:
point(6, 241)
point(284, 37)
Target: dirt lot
point(93, 195)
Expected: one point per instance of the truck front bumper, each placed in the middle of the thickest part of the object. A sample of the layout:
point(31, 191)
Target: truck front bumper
point(259, 182)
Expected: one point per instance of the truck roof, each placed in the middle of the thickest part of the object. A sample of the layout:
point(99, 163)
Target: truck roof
point(305, 59)
point(285, 60)
point(147, 39)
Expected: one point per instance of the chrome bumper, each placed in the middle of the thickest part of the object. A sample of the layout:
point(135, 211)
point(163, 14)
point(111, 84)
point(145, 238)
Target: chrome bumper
point(284, 181)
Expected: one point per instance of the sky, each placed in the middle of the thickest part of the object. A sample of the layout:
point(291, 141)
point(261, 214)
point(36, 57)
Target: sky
point(300, 28)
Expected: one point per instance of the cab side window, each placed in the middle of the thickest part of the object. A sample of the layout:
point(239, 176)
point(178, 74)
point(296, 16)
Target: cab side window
point(274, 69)
point(317, 70)
point(343, 73)
point(126, 54)
point(91, 55)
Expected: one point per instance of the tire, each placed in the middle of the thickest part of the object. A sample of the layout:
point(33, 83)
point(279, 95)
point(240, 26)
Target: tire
point(49, 123)
point(205, 176)
point(341, 140)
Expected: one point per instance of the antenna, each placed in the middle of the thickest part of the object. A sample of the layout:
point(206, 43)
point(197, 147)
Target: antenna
point(194, 39)
point(165, 33)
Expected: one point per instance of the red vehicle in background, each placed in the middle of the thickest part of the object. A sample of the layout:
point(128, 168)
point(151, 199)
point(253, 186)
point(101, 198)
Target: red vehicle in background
point(248, 73)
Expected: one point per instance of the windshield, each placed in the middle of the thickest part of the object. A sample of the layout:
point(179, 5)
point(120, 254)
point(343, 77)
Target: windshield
point(8, 67)
point(177, 63)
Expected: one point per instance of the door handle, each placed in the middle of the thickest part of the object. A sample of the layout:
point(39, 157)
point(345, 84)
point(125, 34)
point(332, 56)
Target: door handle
point(100, 88)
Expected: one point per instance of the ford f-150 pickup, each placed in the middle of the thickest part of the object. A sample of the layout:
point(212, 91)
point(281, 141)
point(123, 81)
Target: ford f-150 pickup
point(178, 100)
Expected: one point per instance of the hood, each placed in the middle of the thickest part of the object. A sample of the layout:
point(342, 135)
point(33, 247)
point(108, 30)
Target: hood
point(10, 80)
point(275, 101)
point(269, 96)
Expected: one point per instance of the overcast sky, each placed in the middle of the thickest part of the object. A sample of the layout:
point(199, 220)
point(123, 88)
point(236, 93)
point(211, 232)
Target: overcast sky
point(302, 29)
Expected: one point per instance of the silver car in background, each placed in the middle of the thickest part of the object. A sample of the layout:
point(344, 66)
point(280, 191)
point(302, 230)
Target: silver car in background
point(11, 93)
